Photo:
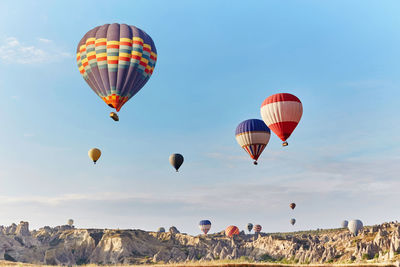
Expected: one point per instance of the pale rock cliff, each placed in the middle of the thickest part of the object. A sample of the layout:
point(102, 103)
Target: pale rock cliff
point(65, 245)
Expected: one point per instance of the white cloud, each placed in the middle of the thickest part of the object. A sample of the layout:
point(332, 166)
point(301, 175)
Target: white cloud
point(44, 40)
point(15, 52)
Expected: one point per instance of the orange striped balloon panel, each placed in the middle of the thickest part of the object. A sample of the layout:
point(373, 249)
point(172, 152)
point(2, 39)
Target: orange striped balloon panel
point(116, 60)
point(257, 228)
point(231, 231)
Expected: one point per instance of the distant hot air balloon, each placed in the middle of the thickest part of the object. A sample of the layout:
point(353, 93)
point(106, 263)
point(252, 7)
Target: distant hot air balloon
point(282, 112)
point(355, 226)
point(176, 161)
point(253, 136)
point(345, 223)
point(161, 230)
point(249, 227)
point(292, 205)
point(70, 222)
point(231, 231)
point(257, 228)
point(94, 154)
point(205, 226)
point(116, 60)
point(292, 221)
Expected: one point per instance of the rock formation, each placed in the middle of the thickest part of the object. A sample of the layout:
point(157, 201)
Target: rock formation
point(65, 245)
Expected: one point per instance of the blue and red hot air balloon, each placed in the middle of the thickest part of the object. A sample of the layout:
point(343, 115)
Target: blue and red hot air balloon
point(205, 226)
point(253, 136)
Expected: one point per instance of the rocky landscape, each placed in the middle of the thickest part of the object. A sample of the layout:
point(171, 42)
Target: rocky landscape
point(65, 245)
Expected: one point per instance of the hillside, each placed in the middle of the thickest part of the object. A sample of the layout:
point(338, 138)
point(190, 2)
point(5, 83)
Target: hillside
point(69, 246)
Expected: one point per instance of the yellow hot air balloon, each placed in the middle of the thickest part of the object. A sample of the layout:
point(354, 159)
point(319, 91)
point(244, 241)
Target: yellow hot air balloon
point(94, 154)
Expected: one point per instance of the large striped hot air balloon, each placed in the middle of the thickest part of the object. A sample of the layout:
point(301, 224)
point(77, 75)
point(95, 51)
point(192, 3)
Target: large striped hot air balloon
point(253, 136)
point(282, 112)
point(205, 226)
point(257, 228)
point(231, 231)
point(116, 60)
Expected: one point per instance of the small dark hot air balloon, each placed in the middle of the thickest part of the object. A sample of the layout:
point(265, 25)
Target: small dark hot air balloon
point(205, 226)
point(161, 230)
point(249, 227)
point(282, 112)
point(231, 231)
point(292, 205)
point(292, 221)
point(176, 161)
point(257, 228)
point(116, 60)
point(345, 223)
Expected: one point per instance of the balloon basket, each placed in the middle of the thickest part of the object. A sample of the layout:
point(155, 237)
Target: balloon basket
point(255, 163)
point(114, 116)
point(285, 143)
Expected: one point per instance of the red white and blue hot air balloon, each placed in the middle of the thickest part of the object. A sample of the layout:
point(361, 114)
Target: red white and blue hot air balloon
point(205, 226)
point(282, 112)
point(253, 136)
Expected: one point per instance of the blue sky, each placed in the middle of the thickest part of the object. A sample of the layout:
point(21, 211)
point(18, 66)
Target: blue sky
point(217, 61)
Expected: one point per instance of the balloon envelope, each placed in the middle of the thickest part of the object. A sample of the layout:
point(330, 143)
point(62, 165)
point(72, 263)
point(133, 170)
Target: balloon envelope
point(249, 227)
point(116, 60)
point(292, 221)
point(94, 154)
point(176, 160)
point(231, 231)
point(292, 205)
point(345, 223)
point(70, 222)
point(257, 228)
point(161, 230)
point(253, 136)
point(282, 112)
point(205, 226)
point(355, 226)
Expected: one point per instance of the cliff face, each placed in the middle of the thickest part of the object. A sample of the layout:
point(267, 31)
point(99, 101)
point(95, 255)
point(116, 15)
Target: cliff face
point(66, 245)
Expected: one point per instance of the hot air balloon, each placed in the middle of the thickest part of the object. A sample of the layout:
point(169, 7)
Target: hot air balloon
point(345, 223)
point(231, 231)
point(70, 222)
point(94, 154)
point(282, 112)
point(176, 161)
point(116, 60)
point(257, 228)
point(253, 136)
point(355, 226)
point(205, 226)
point(161, 230)
point(292, 205)
point(249, 227)
point(292, 221)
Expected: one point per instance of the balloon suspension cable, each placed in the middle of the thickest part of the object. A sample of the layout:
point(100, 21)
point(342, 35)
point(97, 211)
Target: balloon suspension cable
point(255, 162)
point(285, 143)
